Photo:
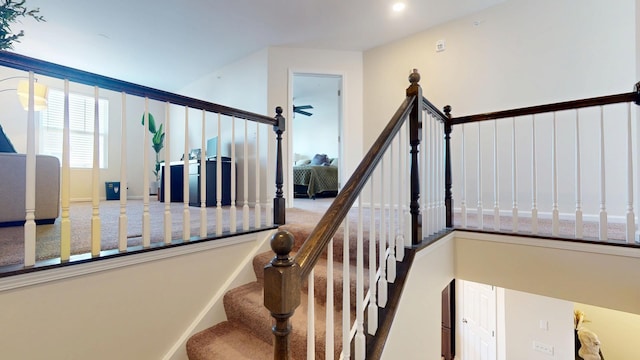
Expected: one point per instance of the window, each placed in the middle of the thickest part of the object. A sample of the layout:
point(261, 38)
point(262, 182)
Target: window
point(81, 118)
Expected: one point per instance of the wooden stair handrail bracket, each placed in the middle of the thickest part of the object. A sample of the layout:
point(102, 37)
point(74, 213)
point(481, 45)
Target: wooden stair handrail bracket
point(282, 284)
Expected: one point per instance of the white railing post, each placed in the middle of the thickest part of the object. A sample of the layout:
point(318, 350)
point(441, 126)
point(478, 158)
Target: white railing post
point(219, 180)
point(329, 334)
point(311, 316)
point(186, 217)
point(496, 187)
point(168, 233)
point(555, 219)
point(578, 225)
point(360, 339)
point(95, 178)
point(514, 177)
point(257, 209)
point(463, 181)
point(245, 175)
point(30, 181)
point(122, 220)
point(382, 242)
point(372, 316)
point(232, 212)
point(630, 224)
point(346, 294)
point(65, 188)
point(534, 177)
point(603, 192)
point(203, 176)
point(479, 181)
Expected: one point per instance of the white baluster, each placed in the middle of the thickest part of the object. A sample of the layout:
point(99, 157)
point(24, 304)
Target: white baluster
point(245, 175)
point(372, 317)
point(479, 206)
point(30, 181)
point(391, 259)
point(407, 186)
point(311, 316)
point(555, 217)
point(203, 176)
point(463, 180)
point(219, 180)
point(95, 179)
point(65, 188)
point(514, 177)
point(168, 225)
point(329, 345)
point(258, 211)
point(186, 218)
point(603, 194)
point(400, 197)
point(423, 170)
point(631, 225)
point(579, 226)
point(233, 216)
point(442, 214)
point(534, 176)
point(360, 339)
point(122, 220)
point(429, 175)
point(382, 242)
point(496, 187)
point(346, 292)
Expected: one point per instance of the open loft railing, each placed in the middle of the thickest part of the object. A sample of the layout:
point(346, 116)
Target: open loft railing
point(559, 170)
point(225, 192)
point(401, 198)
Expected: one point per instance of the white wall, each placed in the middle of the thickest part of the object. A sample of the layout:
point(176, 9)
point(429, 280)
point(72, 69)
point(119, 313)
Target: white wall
point(519, 53)
point(283, 62)
point(523, 314)
point(416, 329)
point(318, 133)
point(616, 330)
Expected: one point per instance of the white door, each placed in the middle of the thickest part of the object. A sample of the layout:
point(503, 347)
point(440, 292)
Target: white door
point(478, 321)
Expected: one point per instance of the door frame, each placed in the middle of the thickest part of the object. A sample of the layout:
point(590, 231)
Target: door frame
point(289, 126)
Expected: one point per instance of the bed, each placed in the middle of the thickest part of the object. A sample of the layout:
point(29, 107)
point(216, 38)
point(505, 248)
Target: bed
point(312, 180)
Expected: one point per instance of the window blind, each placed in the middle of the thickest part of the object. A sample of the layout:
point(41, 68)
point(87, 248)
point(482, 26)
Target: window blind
point(81, 128)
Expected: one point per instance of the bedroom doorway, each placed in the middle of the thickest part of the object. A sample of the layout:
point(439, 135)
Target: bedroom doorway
point(316, 115)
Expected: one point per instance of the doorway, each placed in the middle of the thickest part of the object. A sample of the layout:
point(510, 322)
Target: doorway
point(316, 121)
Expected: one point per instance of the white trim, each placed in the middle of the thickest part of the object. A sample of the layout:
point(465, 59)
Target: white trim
point(613, 219)
point(603, 248)
point(65, 272)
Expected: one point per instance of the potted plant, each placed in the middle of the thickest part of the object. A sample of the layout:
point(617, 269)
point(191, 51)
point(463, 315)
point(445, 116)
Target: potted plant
point(10, 11)
point(157, 143)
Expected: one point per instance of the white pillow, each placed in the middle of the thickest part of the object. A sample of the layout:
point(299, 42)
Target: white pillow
point(302, 162)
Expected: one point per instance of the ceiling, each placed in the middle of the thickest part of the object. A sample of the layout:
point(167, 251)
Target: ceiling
point(168, 44)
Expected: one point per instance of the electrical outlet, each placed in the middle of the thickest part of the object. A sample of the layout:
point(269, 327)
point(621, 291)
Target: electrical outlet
point(543, 348)
point(440, 46)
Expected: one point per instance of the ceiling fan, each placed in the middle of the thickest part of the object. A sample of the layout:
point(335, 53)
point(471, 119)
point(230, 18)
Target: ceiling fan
point(301, 109)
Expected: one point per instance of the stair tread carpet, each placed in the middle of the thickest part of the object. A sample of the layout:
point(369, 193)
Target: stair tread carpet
point(228, 341)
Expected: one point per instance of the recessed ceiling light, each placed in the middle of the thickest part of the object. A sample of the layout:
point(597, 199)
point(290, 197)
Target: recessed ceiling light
point(397, 7)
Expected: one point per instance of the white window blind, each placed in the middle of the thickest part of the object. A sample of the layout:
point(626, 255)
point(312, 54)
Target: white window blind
point(81, 118)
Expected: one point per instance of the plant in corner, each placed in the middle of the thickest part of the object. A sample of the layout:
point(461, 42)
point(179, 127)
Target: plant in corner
point(157, 142)
point(10, 11)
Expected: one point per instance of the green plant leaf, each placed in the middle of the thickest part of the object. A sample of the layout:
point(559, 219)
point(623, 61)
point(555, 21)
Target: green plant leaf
point(152, 123)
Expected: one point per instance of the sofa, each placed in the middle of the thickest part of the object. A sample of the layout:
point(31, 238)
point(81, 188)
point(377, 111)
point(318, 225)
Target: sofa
point(13, 188)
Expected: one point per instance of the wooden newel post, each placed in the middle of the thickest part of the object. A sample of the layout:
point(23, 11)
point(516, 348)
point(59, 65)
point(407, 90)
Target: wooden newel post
point(448, 200)
point(279, 215)
point(282, 291)
point(415, 122)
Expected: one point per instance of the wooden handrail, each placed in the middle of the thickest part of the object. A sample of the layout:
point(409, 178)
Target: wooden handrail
point(560, 106)
point(319, 238)
point(46, 68)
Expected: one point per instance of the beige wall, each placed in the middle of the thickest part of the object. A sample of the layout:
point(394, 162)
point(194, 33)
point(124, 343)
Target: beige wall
point(283, 62)
point(519, 53)
point(133, 312)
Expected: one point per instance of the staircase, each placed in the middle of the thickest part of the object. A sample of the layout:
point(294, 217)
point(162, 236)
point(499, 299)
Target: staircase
point(247, 332)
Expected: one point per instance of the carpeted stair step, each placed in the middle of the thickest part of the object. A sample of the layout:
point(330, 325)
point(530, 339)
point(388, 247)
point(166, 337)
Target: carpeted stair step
point(320, 278)
point(245, 305)
point(227, 341)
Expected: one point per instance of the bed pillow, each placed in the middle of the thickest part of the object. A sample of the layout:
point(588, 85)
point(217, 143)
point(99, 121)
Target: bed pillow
point(320, 160)
point(334, 162)
point(5, 144)
point(302, 162)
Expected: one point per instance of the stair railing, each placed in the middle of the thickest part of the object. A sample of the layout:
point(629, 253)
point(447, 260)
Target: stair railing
point(569, 166)
point(398, 218)
point(175, 112)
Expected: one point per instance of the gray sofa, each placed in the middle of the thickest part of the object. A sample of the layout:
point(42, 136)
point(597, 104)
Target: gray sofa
point(13, 187)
